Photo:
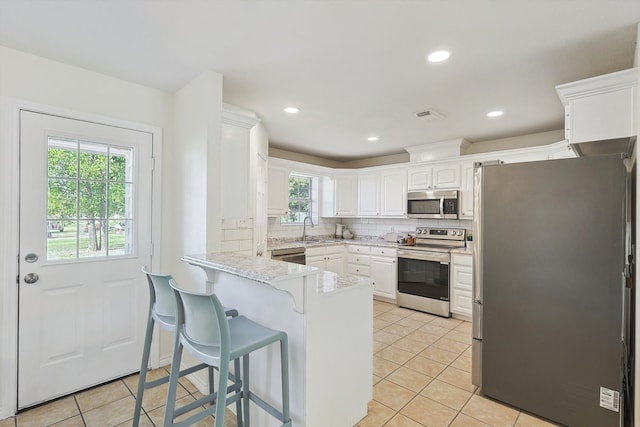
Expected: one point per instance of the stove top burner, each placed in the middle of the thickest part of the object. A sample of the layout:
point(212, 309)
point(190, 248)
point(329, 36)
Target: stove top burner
point(437, 239)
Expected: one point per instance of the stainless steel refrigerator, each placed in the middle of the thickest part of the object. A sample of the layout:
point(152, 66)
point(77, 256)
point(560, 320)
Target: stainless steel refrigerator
point(551, 305)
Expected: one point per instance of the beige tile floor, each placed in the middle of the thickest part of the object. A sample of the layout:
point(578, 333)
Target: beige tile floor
point(422, 377)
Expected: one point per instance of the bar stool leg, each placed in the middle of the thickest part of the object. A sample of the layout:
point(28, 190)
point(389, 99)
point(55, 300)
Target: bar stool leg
point(284, 366)
point(245, 390)
point(237, 377)
point(221, 403)
point(174, 376)
point(143, 369)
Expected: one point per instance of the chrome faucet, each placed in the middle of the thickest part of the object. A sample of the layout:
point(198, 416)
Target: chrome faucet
point(304, 226)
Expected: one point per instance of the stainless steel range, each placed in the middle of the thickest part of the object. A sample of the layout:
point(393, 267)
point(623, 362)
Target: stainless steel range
point(423, 269)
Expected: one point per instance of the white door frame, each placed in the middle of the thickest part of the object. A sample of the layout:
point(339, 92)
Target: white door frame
point(9, 228)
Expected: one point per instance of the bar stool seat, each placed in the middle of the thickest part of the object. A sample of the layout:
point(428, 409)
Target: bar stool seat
point(162, 310)
point(215, 339)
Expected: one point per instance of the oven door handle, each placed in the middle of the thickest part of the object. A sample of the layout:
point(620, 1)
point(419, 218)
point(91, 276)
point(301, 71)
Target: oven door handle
point(444, 259)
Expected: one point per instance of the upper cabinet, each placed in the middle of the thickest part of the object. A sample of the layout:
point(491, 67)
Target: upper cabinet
point(345, 194)
point(278, 194)
point(393, 189)
point(369, 195)
point(466, 195)
point(382, 194)
point(434, 177)
point(600, 108)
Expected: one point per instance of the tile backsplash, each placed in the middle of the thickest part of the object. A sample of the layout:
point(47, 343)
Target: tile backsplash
point(360, 227)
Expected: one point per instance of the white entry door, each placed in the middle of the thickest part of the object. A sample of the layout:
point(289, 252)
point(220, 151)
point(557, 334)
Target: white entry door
point(85, 233)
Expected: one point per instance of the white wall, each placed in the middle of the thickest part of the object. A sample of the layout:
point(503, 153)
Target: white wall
point(38, 81)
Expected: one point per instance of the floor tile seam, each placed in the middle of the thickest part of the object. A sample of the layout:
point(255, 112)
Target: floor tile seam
point(452, 385)
point(467, 415)
point(75, 398)
point(424, 397)
point(484, 422)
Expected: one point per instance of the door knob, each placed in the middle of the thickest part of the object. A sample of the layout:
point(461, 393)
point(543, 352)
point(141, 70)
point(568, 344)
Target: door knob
point(31, 278)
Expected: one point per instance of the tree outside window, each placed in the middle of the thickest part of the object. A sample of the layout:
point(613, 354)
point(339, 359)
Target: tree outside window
point(300, 199)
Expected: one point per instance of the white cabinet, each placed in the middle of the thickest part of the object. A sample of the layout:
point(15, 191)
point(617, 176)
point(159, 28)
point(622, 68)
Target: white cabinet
point(393, 189)
point(383, 194)
point(359, 260)
point(434, 177)
point(378, 263)
point(345, 195)
point(329, 258)
point(384, 272)
point(420, 178)
point(461, 284)
point(278, 194)
point(369, 195)
point(466, 194)
point(600, 108)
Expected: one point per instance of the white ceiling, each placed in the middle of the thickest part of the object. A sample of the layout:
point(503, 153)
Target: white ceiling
point(355, 68)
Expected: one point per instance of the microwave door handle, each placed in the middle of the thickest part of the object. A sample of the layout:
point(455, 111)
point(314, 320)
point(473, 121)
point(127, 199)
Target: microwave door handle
point(442, 205)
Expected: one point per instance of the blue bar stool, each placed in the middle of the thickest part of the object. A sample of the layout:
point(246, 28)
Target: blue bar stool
point(162, 310)
point(211, 337)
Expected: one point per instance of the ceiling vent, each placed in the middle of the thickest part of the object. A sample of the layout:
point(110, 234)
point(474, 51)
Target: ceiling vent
point(429, 115)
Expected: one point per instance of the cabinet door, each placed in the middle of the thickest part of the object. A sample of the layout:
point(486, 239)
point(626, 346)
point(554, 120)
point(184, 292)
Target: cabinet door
point(335, 263)
point(384, 273)
point(316, 261)
point(368, 195)
point(393, 191)
point(420, 178)
point(466, 196)
point(278, 192)
point(345, 195)
point(446, 176)
point(461, 284)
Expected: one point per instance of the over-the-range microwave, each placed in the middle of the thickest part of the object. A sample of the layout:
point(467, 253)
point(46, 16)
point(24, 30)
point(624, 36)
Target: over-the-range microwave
point(433, 204)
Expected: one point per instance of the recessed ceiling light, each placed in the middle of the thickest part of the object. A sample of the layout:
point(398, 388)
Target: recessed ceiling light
point(438, 56)
point(494, 114)
point(292, 110)
point(372, 138)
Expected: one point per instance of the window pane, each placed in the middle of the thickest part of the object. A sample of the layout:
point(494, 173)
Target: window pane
point(62, 198)
point(62, 158)
point(119, 241)
point(93, 161)
point(119, 200)
point(92, 199)
point(92, 239)
point(120, 164)
point(62, 240)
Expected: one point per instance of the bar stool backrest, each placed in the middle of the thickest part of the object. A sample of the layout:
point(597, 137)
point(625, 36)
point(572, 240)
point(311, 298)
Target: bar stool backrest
point(203, 320)
point(162, 296)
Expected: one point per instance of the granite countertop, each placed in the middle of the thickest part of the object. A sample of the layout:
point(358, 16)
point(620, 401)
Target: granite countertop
point(259, 269)
point(331, 282)
point(287, 244)
point(465, 251)
point(268, 271)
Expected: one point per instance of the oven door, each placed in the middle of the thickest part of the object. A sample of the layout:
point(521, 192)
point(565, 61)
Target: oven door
point(424, 274)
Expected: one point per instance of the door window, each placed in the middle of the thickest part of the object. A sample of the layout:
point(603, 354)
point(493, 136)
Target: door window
point(89, 199)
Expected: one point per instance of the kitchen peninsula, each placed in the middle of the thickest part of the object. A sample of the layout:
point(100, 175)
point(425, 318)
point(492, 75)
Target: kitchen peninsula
point(328, 319)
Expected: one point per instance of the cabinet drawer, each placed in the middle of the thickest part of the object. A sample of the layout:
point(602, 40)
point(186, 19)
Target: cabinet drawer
point(334, 249)
point(359, 259)
point(381, 251)
point(315, 251)
point(359, 270)
point(359, 249)
point(459, 259)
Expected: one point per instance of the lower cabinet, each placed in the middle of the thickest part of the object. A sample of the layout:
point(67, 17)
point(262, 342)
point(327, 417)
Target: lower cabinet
point(378, 263)
point(329, 258)
point(461, 284)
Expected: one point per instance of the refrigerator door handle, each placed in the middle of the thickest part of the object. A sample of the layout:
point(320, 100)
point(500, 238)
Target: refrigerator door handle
point(476, 325)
